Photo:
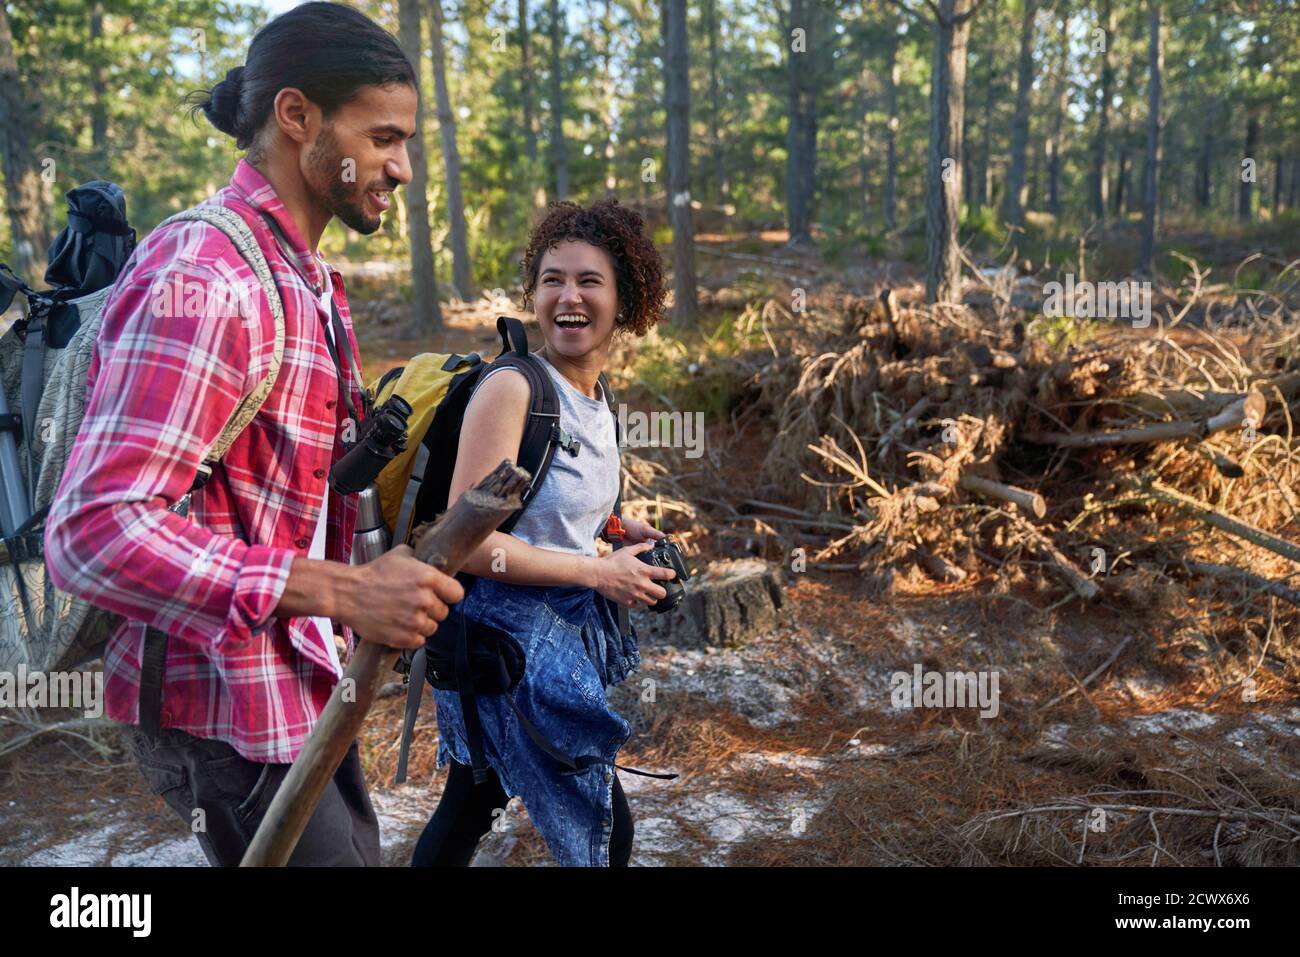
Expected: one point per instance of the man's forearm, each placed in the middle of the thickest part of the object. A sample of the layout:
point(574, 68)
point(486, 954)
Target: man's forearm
point(320, 588)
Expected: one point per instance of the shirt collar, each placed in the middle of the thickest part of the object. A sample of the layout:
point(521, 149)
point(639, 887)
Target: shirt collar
point(253, 188)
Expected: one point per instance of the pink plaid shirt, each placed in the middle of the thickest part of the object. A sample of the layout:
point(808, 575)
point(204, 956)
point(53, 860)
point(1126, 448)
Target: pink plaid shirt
point(160, 389)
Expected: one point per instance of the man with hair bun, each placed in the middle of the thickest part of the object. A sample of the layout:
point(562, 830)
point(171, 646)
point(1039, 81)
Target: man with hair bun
point(244, 593)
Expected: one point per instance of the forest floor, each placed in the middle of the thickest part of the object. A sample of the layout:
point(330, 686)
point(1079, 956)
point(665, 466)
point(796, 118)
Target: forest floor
point(1110, 744)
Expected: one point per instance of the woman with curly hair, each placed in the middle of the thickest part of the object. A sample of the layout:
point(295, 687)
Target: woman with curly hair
point(589, 273)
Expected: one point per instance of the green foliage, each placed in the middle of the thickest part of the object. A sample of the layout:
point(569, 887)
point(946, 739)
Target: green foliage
point(1062, 332)
point(688, 368)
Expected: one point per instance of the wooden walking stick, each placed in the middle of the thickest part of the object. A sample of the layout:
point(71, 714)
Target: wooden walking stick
point(445, 545)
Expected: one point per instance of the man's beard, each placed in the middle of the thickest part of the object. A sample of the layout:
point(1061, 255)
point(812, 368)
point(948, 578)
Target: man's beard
point(344, 200)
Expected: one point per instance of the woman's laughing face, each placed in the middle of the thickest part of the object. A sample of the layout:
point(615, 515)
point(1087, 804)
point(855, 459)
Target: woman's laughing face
point(576, 297)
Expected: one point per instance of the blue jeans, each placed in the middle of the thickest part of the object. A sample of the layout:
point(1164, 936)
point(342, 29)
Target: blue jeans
point(573, 650)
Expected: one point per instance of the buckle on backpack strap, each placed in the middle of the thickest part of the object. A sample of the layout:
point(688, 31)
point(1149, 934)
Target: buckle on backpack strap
point(565, 440)
point(614, 530)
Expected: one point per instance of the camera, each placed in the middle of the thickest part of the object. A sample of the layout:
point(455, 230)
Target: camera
point(666, 554)
point(384, 437)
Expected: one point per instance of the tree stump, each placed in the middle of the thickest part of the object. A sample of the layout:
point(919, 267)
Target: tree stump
point(726, 604)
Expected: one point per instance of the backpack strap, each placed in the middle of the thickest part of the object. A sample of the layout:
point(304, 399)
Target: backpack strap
point(514, 338)
point(542, 432)
point(153, 662)
point(241, 236)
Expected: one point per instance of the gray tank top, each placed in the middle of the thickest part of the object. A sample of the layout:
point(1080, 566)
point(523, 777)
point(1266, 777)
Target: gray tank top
point(577, 493)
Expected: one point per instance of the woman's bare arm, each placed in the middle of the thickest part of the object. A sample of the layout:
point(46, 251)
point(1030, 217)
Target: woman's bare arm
point(491, 431)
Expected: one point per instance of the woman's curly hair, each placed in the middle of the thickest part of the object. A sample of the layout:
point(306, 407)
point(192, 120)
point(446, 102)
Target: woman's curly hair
point(638, 267)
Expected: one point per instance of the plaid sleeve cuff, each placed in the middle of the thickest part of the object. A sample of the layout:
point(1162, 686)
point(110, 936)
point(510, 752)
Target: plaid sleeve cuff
point(261, 581)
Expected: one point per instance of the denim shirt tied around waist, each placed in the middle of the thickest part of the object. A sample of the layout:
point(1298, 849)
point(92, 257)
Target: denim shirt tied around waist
point(573, 651)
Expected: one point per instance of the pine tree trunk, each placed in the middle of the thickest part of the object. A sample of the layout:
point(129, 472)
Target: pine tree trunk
point(983, 181)
point(1151, 171)
point(1058, 120)
point(1277, 184)
point(1014, 201)
point(98, 87)
point(943, 186)
point(607, 91)
point(559, 150)
point(891, 132)
point(1205, 159)
point(801, 129)
point(677, 85)
point(1246, 190)
point(723, 188)
point(461, 272)
point(426, 315)
point(526, 83)
point(1099, 180)
point(29, 215)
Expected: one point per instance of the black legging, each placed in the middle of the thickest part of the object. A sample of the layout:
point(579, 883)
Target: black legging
point(464, 815)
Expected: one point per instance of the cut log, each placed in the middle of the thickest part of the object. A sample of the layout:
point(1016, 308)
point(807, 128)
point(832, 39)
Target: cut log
point(727, 604)
point(1025, 500)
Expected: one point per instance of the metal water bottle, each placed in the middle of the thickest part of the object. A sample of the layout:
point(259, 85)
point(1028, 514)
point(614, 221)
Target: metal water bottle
point(370, 538)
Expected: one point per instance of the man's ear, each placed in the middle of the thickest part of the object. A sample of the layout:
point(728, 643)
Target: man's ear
point(295, 115)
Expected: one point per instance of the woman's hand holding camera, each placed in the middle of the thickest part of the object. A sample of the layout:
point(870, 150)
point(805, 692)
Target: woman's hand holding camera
point(636, 531)
point(626, 580)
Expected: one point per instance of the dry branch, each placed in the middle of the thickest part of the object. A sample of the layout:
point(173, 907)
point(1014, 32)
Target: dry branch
point(1027, 501)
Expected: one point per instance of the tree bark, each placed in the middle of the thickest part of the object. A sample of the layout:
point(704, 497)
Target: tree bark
point(559, 150)
point(98, 87)
point(723, 188)
point(983, 180)
point(1014, 201)
point(943, 186)
point(607, 92)
point(801, 128)
point(1058, 119)
point(1102, 109)
point(526, 83)
point(1246, 190)
point(1277, 184)
point(1205, 160)
point(1151, 171)
point(426, 313)
point(29, 215)
point(891, 131)
point(461, 272)
point(677, 87)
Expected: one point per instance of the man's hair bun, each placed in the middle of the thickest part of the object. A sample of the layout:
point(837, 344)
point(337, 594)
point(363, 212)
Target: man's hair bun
point(222, 106)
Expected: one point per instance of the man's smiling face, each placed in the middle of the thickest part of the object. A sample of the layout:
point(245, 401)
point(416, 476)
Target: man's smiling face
point(359, 156)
